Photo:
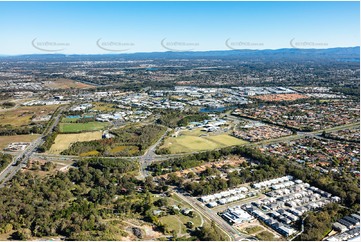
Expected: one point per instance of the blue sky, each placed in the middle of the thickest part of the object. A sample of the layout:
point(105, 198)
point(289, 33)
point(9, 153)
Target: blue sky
point(75, 27)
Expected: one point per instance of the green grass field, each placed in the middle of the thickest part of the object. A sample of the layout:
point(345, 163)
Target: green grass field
point(253, 229)
point(69, 120)
point(225, 140)
point(177, 222)
point(172, 222)
point(265, 235)
point(81, 127)
point(196, 140)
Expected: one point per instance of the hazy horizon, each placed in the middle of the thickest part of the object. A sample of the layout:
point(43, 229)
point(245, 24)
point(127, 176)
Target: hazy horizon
point(133, 27)
point(168, 51)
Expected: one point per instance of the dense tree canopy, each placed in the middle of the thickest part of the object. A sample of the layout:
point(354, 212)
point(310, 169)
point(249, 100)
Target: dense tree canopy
point(71, 204)
point(128, 141)
point(5, 160)
point(269, 166)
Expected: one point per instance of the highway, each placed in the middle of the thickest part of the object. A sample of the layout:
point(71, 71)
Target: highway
point(147, 159)
point(149, 156)
point(299, 135)
point(22, 158)
point(211, 215)
point(230, 231)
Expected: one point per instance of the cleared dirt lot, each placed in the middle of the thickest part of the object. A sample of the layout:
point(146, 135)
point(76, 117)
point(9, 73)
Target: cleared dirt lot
point(280, 97)
point(256, 229)
point(231, 160)
point(22, 115)
point(5, 140)
point(66, 84)
point(63, 141)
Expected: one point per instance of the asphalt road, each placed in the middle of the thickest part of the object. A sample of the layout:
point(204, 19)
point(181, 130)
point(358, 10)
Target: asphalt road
point(147, 159)
point(23, 157)
point(149, 156)
point(230, 231)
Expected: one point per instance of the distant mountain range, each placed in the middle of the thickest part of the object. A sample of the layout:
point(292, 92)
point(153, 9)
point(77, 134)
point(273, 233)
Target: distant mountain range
point(338, 54)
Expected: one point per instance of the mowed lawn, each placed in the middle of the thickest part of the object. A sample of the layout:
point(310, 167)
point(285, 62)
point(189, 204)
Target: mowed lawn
point(81, 127)
point(63, 141)
point(6, 140)
point(69, 120)
point(177, 222)
point(190, 143)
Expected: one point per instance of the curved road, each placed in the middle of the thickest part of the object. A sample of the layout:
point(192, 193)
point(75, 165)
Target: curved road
point(149, 156)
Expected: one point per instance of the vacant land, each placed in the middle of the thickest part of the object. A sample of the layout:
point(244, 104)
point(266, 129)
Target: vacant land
point(6, 236)
point(225, 140)
point(256, 229)
point(22, 116)
point(198, 140)
point(253, 229)
point(127, 141)
point(177, 222)
point(103, 107)
point(5, 140)
point(132, 150)
point(90, 153)
point(69, 120)
point(234, 161)
point(265, 235)
point(280, 97)
point(62, 83)
point(81, 127)
point(41, 167)
point(148, 232)
point(63, 141)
